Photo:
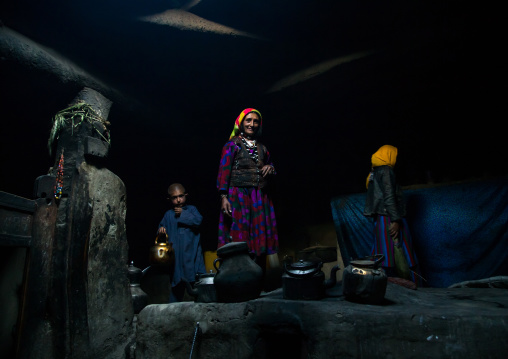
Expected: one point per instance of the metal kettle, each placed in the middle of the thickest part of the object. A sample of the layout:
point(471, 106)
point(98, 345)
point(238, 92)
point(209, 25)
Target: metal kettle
point(139, 297)
point(304, 280)
point(162, 254)
point(204, 289)
point(363, 280)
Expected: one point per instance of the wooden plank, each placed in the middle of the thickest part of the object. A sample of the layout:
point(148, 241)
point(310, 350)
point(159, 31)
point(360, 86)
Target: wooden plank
point(13, 240)
point(9, 200)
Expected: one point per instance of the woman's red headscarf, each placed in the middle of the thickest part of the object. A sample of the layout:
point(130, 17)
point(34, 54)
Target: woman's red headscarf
point(239, 119)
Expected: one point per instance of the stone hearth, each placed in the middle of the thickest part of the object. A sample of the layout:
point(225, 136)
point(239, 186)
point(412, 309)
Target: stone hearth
point(424, 323)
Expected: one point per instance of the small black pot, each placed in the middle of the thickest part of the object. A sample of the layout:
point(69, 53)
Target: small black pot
point(304, 280)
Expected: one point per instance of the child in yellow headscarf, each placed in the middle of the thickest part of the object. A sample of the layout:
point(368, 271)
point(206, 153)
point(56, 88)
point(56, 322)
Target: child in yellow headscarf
point(385, 204)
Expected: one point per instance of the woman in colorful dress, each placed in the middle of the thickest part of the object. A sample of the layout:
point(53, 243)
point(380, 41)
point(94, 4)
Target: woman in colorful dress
point(385, 204)
point(247, 213)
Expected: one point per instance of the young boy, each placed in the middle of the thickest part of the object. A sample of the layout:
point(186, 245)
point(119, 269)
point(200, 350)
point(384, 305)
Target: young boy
point(181, 225)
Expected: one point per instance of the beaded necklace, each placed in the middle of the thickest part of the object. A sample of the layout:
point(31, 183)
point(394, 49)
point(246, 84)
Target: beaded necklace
point(252, 149)
point(59, 178)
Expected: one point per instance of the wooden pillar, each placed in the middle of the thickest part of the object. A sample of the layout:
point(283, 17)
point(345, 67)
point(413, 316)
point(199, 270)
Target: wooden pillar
point(78, 291)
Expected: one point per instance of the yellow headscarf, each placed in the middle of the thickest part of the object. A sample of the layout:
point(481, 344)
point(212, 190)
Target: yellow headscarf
point(385, 156)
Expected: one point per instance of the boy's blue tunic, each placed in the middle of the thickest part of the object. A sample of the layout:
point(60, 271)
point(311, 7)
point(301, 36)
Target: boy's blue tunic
point(183, 233)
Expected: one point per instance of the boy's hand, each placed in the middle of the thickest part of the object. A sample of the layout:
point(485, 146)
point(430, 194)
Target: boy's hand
point(178, 211)
point(162, 230)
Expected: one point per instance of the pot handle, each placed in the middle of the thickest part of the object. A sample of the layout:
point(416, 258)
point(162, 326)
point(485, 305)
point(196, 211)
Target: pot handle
point(376, 258)
point(192, 291)
point(333, 277)
point(160, 236)
point(214, 263)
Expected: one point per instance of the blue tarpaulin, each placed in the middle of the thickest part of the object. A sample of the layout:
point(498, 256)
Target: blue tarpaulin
point(460, 231)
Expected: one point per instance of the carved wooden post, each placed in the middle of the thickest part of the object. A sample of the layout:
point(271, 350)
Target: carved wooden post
point(88, 307)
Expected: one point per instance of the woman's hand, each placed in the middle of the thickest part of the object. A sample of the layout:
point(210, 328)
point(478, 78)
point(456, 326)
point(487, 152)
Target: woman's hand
point(393, 229)
point(225, 206)
point(267, 170)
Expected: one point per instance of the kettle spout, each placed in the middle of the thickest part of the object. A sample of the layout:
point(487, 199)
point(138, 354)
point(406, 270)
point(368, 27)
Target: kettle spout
point(192, 291)
point(333, 277)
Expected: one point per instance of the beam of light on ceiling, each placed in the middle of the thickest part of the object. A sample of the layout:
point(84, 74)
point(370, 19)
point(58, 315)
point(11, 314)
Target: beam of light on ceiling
point(185, 20)
point(20, 49)
point(314, 71)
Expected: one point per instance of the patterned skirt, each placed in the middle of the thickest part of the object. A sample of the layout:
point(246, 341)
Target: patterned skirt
point(253, 221)
point(383, 243)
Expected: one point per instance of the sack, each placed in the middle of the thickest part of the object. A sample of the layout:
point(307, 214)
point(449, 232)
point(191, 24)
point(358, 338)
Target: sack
point(401, 263)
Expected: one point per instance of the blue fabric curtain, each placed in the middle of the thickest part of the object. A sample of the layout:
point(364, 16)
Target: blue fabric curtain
point(460, 231)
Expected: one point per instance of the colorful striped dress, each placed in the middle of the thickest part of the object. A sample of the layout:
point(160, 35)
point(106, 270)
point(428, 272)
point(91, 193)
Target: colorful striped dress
point(253, 216)
point(383, 242)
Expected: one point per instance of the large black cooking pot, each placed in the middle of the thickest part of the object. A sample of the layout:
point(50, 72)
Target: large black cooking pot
point(304, 280)
point(238, 277)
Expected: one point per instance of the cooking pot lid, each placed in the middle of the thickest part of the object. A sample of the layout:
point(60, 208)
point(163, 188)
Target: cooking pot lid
point(133, 269)
point(232, 248)
point(161, 244)
point(303, 265)
point(303, 268)
point(364, 263)
point(368, 262)
point(206, 275)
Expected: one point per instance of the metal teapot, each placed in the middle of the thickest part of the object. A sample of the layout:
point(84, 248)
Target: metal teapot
point(162, 254)
point(204, 289)
point(304, 280)
point(363, 280)
point(139, 297)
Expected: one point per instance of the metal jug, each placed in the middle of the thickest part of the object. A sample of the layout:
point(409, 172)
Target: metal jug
point(162, 254)
point(139, 297)
point(363, 280)
point(304, 280)
point(204, 289)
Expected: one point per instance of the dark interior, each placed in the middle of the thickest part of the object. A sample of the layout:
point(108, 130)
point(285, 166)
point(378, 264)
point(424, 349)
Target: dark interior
point(424, 76)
